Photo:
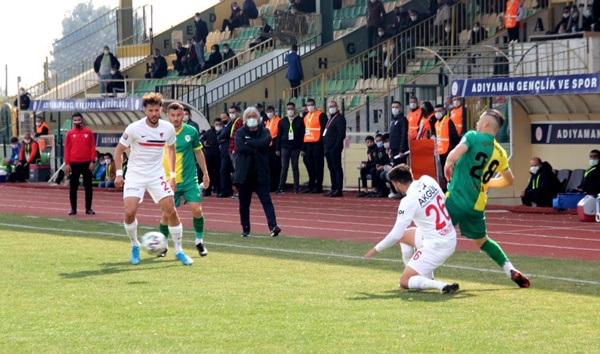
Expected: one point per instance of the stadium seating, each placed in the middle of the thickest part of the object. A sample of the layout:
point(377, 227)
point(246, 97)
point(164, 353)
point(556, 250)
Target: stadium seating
point(575, 180)
point(563, 177)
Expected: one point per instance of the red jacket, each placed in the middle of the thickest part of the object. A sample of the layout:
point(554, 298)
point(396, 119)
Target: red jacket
point(237, 124)
point(80, 146)
point(29, 152)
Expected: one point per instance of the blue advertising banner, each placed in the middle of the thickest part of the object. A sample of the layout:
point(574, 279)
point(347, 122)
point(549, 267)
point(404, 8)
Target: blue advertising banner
point(108, 140)
point(565, 133)
point(520, 86)
point(88, 105)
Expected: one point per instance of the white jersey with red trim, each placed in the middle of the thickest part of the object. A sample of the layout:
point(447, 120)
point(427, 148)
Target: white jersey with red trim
point(425, 204)
point(147, 148)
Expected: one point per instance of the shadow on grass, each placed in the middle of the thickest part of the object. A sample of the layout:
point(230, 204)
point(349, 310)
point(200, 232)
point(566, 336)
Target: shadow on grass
point(411, 295)
point(116, 268)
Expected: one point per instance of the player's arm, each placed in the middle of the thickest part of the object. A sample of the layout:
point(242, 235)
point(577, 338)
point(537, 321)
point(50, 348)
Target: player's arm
point(171, 163)
point(453, 156)
point(202, 162)
point(118, 156)
point(505, 179)
point(403, 220)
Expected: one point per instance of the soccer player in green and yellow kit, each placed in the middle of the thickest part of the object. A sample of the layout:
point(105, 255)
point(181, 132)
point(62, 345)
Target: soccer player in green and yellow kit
point(470, 169)
point(188, 150)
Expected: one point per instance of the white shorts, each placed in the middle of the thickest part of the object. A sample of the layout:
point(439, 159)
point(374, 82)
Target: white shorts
point(430, 254)
point(158, 189)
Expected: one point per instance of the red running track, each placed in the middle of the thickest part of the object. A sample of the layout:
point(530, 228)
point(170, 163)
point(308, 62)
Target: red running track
point(309, 215)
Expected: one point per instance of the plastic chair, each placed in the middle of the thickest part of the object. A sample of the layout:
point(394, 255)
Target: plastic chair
point(575, 180)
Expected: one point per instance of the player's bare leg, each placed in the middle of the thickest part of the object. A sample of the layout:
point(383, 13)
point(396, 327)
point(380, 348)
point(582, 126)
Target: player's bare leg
point(130, 224)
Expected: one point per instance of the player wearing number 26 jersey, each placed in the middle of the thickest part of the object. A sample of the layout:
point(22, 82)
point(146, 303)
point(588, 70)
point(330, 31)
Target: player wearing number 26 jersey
point(434, 236)
point(470, 169)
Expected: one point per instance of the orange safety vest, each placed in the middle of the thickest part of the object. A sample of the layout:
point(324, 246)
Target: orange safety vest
point(313, 126)
point(511, 13)
point(39, 129)
point(425, 127)
point(273, 126)
point(442, 132)
point(414, 117)
point(457, 117)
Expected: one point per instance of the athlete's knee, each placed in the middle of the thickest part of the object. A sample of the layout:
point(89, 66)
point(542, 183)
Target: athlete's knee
point(404, 281)
point(196, 211)
point(129, 215)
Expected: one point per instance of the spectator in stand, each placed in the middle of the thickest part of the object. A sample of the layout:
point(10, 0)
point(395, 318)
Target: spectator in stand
point(98, 161)
point(235, 20)
point(591, 177)
point(111, 172)
point(587, 25)
point(100, 173)
point(214, 59)
point(29, 153)
point(250, 11)
point(295, 74)
point(41, 127)
point(180, 53)
point(398, 135)
point(23, 101)
point(501, 68)
point(375, 20)
point(566, 22)
point(290, 138)
point(543, 185)
point(334, 136)
point(191, 65)
point(512, 16)
point(304, 6)
point(79, 159)
point(14, 154)
point(200, 34)
point(303, 111)
point(274, 161)
point(210, 144)
point(366, 167)
point(401, 21)
point(442, 19)
point(102, 65)
point(478, 34)
point(159, 66)
point(264, 33)
point(119, 84)
point(229, 54)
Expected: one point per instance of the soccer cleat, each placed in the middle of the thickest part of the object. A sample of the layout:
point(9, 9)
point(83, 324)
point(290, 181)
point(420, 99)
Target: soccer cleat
point(521, 280)
point(185, 260)
point(275, 231)
point(162, 254)
point(450, 288)
point(135, 255)
point(201, 249)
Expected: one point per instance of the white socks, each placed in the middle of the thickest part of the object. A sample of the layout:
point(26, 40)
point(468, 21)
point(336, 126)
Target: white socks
point(507, 268)
point(422, 283)
point(177, 235)
point(131, 230)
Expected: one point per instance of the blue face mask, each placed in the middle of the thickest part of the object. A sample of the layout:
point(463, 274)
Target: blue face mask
point(380, 144)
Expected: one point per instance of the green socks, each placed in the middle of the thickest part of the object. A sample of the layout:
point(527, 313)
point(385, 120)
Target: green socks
point(494, 251)
point(164, 229)
point(199, 227)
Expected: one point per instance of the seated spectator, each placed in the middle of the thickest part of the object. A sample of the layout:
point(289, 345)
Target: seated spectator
point(478, 34)
point(13, 158)
point(366, 166)
point(159, 66)
point(98, 162)
point(501, 68)
point(442, 18)
point(543, 185)
point(29, 154)
point(381, 160)
point(119, 84)
point(305, 6)
point(591, 177)
point(110, 174)
point(264, 32)
point(125, 160)
point(41, 127)
point(23, 101)
point(229, 54)
point(180, 54)
point(100, 174)
point(587, 25)
point(235, 20)
point(250, 11)
point(565, 22)
point(191, 65)
point(214, 59)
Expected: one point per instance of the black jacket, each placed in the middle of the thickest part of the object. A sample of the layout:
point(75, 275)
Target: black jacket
point(398, 134)
point(200, 31)
point(543, 186)
point(210, 144)
point(372, 156)
point(224, 138)
point(25, 102)
point(333, 140)
point(230, 54)
point(382, 157)
point(159, 67)
point(591, 181)
point(283, 134)
point(214, 59)
point(252, 150)
point(114, 62)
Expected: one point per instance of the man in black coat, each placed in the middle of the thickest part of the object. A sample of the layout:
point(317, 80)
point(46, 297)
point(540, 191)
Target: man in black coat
point(119, 84)
point(159, 66)
point(290, 138)
point(23, 101)
point(398, 134)
point(334, 135)
point(210, 147)
point(543, 184)
point(252, 170)
point(180, 53)
point(264, 32)
point(200, 34)
point(224, 135)
point(591, 177)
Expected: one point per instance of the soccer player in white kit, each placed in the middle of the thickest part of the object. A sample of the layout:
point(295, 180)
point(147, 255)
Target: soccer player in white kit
point(145, 172)
point(434, 236)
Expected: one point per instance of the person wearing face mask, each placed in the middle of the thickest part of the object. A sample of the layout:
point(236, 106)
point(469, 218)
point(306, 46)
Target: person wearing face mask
point(23, 101)
point(29, 153)
point(191, 64)
point(226, 167)
point(367, 168)
point(118, 85)
point(427, 123)
point(227, 55)
point(588, 20)
point(41, 127)
point(235, 20)
point(442, 19)
point(102, 65)
point(180, 54)
point(187, 119)
point(200, 34)
point(591, 176)
point(79, 154)
point(13, 158)
point(312, 150)
point(111, 172)
point(512, 17)
point(334, 135)
point(159, 66)
point(446, 135)
point(252, 172)
point(456, 115)
point(398, 135)
point(478, 34)
point(290, 138)
point(543, 184)
point(271, 122)
point(210, 144)
point(215, 58)
point(565, 21)
point(375, 19)
point(401, 21)
point(414, 117)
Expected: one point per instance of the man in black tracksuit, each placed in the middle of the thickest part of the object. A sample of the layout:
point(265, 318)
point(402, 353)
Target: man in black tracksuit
point(543, 185)
point(398, 134)
point(290, 137)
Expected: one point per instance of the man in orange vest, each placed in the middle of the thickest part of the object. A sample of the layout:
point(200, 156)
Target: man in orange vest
point(512, 17)
point(272, 124)
point(427, 123)
point(456, 115)
point(41, 127)
point(413, 117)
point(447, 136)
point(312, 150)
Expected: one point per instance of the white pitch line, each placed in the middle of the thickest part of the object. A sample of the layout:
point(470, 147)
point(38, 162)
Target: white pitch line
point(320, 254)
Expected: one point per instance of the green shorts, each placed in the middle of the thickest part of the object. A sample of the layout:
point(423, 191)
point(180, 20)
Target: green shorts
point(190, 193)
point(470, 222)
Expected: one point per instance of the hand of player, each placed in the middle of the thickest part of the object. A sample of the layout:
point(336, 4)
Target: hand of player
point(173, 184)
point(206, 181)
point(371, 253)
point(119, 181)
point(68, 168)
point(278, 153)
point(91, 166)
point(448, 170)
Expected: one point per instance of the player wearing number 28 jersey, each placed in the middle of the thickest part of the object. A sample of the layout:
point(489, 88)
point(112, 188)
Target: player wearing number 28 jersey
point(470, 169)
point(434, 236)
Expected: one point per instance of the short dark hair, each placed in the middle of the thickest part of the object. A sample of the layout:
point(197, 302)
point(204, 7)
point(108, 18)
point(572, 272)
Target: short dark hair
point(385, 136)
point(291, 104)
point(369, 138)
point(185, 109)
point(175, 106)
point(378, 135)
point(270, 108)
point(14, 139)
point(218, 120)
point(595, 151)
point(108, 154)
point(497, 115)
point(310, 100)
point(400, 173)
point(539, 161)
point(258, 106)
point(398, 102)
point(76, 114)
point(234, 107)
point(294, 48)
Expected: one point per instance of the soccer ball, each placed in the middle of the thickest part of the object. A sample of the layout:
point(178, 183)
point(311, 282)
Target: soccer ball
point(154, 242)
